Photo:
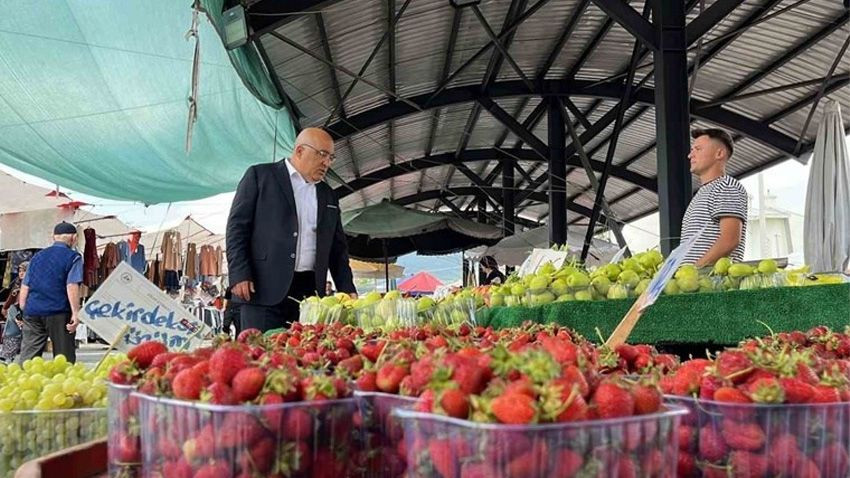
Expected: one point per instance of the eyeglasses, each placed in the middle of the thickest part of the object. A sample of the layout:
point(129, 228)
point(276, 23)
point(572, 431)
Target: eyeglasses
point(321, 152)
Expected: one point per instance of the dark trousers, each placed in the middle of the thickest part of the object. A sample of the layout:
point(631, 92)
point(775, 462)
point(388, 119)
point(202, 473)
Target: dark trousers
point(286, 312)
point(37, 329)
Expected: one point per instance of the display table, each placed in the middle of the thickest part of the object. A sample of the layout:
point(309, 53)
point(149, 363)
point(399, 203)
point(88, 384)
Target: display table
point(695, 319)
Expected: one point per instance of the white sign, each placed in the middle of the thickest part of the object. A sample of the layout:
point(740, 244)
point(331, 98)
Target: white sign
point(668, 269)
point(128, 298)
point(539, 257)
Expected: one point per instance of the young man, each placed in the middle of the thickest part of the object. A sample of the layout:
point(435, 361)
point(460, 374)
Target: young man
point(720, 204)
point(50, 297)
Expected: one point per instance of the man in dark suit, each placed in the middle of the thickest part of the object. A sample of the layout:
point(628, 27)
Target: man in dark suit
point(284, 234)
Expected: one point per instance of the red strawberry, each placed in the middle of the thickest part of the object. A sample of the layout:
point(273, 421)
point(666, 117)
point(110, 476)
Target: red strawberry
point(783, 454)
point(247, 384)
point(731, 395)
point(748, 465)
point(734, 365)
point(742, 436)
point(686, 466)
point(297, 424)
point(352, 365)
point(686, 437)
point(162, 360)
point(216, 469)
point(367, 382)
point(124, 373)
point(833, 459)
point(249, 336)
point(144, 353)
point(443, 457)
point(187, 385)
point(652, 463)
point(471, 378)
point(477, 470)
point(294, 458)
point(219, 394)
point(177, 469)
point(666, 362)
point(455, 403)
point(262, 455)
point(390, 376)
point(825, 394)
point(711, 444)
point(567, 463)
point(642, 362)
point(239, 429)
point(129, 449)
point(225, 363)
point(647, 399)
point(686, 381)
point(806, 374)
point(806, 468)
point(666, 384)
point(372, 350)
point(766, 390)
point(524, 386)
point(514, 409)
point(574, 374)
point(708, 385)
point(796, 390)
point(611, 401)
point(531, 463)
point(575, 411)
point(627, 352)
point(562, 351)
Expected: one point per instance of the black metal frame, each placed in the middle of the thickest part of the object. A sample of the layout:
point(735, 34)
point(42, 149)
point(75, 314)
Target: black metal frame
point(667, 37)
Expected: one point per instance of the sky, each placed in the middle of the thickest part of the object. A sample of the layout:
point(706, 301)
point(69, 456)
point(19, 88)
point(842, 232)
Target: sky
point(787, 181)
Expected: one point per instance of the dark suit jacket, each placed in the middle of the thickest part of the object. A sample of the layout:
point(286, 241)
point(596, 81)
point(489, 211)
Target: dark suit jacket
point(262, 236)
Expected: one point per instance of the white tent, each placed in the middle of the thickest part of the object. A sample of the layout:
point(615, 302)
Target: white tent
point(19, 196)
point(190, 231)
point(827, 223)
point(513, 250)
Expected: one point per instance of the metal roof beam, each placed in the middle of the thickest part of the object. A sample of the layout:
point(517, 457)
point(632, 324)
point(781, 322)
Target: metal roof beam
point(777, 89)
point(591, 47)
point(569, 27)
point(473, 155)
point(512, 124)
point(629, 19)
point(801, 47)
point(715, 114)
point(268, 15)
point(434, 194)
point(505, 32)
point(708, 19)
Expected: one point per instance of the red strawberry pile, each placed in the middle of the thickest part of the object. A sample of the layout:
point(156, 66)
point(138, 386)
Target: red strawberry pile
point(805, 376)
point(301, 429)
point(545, 378)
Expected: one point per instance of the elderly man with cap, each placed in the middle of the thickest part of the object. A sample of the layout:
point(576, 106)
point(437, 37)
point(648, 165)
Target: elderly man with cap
point(50, 296)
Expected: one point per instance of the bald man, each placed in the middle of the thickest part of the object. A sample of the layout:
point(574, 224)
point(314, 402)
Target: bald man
point(284, 234)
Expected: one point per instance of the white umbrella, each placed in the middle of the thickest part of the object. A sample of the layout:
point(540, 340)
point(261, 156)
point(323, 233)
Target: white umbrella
point(827, 223)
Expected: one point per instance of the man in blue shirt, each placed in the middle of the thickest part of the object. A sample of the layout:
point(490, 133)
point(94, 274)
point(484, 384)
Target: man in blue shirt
point(50, 297)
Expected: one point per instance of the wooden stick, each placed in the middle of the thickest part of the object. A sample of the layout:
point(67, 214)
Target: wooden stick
point(627, 324)
point(113, 344)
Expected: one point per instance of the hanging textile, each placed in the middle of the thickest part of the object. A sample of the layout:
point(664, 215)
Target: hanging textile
point(219, 262)
point(136, 260)
point(133, 241)
point(191, 270)
point(108, 261)
point(7, 275)
point(171, 251)
point(90, 259)
point(208, 261)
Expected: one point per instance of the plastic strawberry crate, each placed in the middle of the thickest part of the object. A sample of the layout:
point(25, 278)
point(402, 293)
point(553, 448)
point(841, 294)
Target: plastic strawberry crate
point(25, 435)
point(181, 438)
point(382, 453)
point(761, 440)
point(124, 438)
point(642, 445)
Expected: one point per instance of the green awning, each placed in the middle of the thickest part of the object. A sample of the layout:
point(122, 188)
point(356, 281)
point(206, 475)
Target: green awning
point(94, 97)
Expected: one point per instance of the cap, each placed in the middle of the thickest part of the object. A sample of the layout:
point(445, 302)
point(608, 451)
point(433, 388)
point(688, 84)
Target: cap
point(64, 228)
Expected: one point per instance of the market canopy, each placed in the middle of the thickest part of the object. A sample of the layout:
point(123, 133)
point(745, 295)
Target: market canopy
point(420, 283)
point(373, 270)
point(386, 230)
point(95, 98)
point(427, 112)
point(513, 250)
point(827, 219)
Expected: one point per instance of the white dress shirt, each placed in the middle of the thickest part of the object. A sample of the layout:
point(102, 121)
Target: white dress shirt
point(306, 206)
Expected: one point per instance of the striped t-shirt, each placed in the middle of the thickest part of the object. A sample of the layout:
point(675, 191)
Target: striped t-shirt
point(722, 197)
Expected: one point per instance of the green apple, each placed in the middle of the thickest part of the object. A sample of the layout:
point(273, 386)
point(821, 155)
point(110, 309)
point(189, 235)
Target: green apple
point(583, 295)
point(559, 287)
point(721, 267)
point(628, 278)
point(672, 288)
point(740, 270)
point(497, 300)
point(538, 283)
point(687, 271)
point(687, 283)
point(642, 286)
point(602, 284)
point(565, 298)
point(767, 266)
point(578, 279)
point(618, 291)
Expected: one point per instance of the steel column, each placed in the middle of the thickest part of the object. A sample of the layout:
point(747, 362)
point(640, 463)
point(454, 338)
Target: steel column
point(508, 209)
point(671, 120)
point(557, 174)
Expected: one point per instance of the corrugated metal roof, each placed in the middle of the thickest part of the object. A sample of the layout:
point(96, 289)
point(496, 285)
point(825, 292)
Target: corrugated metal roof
point(422, 36)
